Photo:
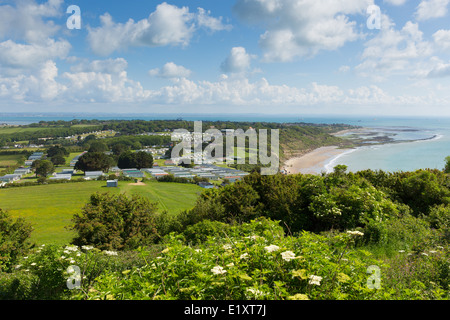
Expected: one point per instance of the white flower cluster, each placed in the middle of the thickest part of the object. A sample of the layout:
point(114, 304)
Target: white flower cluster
point(315, 280)
point(218, 270)
point(272, 248)
point(355, 233)
point(110, 253)
point(288, 255)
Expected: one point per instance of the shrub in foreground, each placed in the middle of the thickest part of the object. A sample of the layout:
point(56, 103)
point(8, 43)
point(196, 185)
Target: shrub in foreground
point(116, 222)
point(252, 261)
point(14, 239)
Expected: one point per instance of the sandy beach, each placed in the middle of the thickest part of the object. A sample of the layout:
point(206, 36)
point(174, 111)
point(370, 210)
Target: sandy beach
point(313, 162)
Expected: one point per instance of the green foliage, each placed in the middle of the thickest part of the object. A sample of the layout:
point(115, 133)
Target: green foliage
point(202, 230)
point(138, 160)
point(420, 275)
point(94, 161)
point(43, 167)
point(249, 261)
point(116, 222)
point(58, 160)
point(420, 190)
point(97, 146)
point(44, 274)
point(119, 148)
point(301, 202)
point(57, 150)
point(14, 239)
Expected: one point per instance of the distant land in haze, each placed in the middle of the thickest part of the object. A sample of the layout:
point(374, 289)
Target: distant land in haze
point(431, 135)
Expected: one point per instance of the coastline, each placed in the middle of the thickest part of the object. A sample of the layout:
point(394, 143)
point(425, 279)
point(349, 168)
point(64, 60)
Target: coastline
point(313, 162)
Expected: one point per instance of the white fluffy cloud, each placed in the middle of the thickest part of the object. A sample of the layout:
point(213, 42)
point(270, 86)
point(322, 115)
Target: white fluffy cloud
point(238, 61)
point(429, 9)
point(27, 31)
point(167, 25)
point(41, 85)
point(442, 39)
point(16, 58)
point(170, 71)
point(204, 19)
point(302, 28)
point(394, 52)
point(29, 21)
point(242, 92)
point(111, 66)
point(103, 87)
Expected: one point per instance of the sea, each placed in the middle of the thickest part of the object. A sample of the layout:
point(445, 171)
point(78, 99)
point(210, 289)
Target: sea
point(414, 142)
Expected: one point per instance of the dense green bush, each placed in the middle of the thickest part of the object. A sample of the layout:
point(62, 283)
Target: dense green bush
point(202, 230)
point(54, 273)
point(250, 261)
point(14, 239)
point(301, 202)
point(116, 222)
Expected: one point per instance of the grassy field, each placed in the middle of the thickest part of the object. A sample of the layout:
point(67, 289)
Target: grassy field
point(7, 160)
point(8, 130)
point(50, 207)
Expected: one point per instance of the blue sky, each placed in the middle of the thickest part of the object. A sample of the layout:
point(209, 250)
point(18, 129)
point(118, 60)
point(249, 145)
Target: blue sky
point(245, 56)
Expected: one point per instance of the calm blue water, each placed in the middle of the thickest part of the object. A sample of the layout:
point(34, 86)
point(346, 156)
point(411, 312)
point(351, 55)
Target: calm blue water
point(389, 157)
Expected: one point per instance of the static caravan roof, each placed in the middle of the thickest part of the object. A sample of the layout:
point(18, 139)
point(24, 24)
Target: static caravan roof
point(10, 177)
point(93, 173)
point(62, 177)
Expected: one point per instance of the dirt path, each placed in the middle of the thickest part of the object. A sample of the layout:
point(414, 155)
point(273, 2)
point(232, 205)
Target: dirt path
point(140, 183)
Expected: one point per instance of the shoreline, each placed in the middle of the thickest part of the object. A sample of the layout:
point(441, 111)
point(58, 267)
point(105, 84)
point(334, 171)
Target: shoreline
point(322, 159)
point(313, 162)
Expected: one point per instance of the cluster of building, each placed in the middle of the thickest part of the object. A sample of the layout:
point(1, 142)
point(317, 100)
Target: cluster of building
point(34, 156)
point(20, 172)
point(65, 174)
point(208, 171)
point(17, 175)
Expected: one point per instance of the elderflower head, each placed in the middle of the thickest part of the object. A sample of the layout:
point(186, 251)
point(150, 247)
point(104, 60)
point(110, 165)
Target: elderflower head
point(218, 270)
point(355, 233)
point(272, 248)
point(243, 256)
point(71, 248)
point(288, 255)
point(110, 253)
point(315, 280)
